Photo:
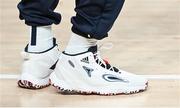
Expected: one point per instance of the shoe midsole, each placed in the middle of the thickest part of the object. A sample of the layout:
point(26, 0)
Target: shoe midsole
point(63, 84)
point(34, 80)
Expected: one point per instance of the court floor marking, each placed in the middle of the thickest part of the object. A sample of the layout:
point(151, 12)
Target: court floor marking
point(158, 77)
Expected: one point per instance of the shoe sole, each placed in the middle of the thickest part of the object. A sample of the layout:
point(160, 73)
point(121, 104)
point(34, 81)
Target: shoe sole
point(30, 82)
point(29, 85)
point(65, 90)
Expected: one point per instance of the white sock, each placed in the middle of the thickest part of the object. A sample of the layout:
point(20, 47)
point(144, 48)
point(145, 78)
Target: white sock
point(41, 39)
point(78, 44)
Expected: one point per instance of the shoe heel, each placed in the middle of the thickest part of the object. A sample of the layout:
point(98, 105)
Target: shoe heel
point(26, 80)
point(58, 83)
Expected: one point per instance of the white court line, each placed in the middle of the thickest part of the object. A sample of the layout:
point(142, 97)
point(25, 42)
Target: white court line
point(160, 77)
point(163, 77)
point(8, 76)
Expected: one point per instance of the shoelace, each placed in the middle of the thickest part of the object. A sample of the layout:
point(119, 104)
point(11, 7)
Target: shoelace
point(104, 63)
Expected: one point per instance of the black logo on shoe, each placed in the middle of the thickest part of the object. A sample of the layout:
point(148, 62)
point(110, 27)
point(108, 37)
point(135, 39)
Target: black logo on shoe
point(86, 60)
point(88, 70)
point(54, 65)
point(71, 63)
point(113, 78)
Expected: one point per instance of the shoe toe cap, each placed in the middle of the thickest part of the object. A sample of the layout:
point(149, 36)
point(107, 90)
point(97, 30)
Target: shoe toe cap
point(140, 81)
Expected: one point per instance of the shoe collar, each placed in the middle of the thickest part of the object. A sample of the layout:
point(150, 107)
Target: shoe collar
point(92, 49)
point(54, 45)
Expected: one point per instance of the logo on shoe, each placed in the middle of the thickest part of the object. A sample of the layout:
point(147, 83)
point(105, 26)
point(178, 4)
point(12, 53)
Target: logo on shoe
point(113, 78)
point(86, 60)
point(71, 63)
point(88, 70)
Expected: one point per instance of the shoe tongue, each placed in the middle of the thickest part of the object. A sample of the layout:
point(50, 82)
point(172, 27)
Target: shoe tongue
point(93, 49)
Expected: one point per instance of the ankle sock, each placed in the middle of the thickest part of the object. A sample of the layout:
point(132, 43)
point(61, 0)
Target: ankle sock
point(41, 39)
point(78, 44)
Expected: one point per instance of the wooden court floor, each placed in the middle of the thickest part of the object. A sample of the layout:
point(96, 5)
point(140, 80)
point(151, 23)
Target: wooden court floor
point(144, 40)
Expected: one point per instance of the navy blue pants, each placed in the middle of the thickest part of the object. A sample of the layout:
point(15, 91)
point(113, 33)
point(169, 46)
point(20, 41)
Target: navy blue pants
point(94, 18)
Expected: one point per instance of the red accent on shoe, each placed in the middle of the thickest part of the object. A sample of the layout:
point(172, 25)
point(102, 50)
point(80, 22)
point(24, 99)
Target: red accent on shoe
point(106, 61)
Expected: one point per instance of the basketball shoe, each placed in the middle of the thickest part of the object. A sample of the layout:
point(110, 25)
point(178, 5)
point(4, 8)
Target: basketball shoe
point(37, 68)
point(88, 73)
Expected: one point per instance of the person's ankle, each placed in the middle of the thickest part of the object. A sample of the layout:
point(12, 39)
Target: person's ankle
point(78, 44)
point(41, 39)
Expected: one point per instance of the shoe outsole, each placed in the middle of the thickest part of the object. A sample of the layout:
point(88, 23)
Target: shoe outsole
point(29, 85)
point(68, 91)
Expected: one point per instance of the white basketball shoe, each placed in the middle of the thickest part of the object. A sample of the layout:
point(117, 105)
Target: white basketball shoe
point(37, 68)
point(87, 73)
